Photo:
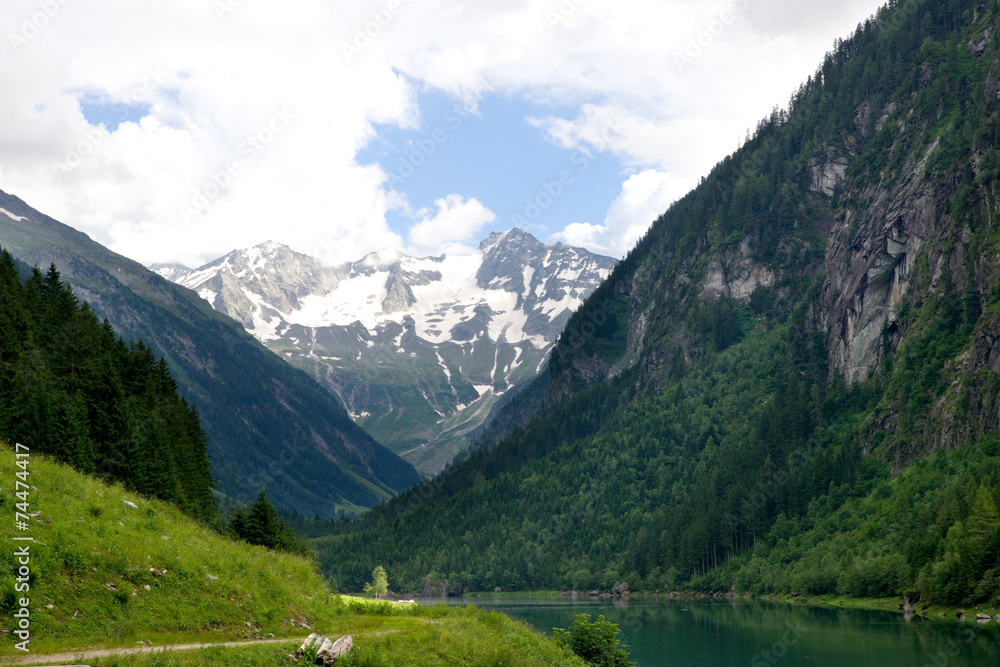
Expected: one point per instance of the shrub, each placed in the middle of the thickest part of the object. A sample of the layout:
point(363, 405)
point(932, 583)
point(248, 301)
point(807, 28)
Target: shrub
point(597, 643)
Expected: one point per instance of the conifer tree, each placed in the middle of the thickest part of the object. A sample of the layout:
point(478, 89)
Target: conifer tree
point(238, 523)
point(262, 523)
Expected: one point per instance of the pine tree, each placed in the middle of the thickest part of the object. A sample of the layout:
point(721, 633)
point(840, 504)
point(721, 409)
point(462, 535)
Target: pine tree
point(238, 523)
point(262, 523)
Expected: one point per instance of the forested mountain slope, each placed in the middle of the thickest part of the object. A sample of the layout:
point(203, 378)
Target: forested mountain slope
point(72, 389)
point(813, 330)
point(269, 426)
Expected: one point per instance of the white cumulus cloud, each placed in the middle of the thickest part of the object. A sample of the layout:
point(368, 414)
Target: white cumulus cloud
point(643, 198)
point(456, 223)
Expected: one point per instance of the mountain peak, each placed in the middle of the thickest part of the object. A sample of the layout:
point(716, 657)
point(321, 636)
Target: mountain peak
point(170, 271)
point(512, 238)
point(491, 241)
point(265, 249)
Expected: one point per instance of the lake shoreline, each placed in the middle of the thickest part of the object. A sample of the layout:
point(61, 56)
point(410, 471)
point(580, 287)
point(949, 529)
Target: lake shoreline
point(928, 612)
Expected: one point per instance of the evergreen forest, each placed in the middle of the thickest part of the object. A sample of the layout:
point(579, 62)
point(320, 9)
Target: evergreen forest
point(70, 388)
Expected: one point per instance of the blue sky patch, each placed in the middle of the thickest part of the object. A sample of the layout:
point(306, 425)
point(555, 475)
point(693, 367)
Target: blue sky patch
point(112, 114)
point(498, 158)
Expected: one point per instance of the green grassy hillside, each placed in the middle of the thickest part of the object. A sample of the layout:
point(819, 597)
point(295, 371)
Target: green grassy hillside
point(104, 574)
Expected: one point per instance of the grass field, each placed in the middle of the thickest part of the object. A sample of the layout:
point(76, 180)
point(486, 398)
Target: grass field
point(107, 575)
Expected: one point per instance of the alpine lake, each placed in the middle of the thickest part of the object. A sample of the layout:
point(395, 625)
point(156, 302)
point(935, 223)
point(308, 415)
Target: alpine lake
point(704, 633)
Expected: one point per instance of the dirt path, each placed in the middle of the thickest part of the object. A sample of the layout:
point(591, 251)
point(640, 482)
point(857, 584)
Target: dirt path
point(109, 652)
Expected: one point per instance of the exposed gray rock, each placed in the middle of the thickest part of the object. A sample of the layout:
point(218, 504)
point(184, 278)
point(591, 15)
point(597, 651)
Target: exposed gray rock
point(434, 588)
point(827, 172)
point(170, 271)
point(328, 651)
point(868, 262)
point(398, 295)
point(277, 277)
point(337, 649)
point(736, 274)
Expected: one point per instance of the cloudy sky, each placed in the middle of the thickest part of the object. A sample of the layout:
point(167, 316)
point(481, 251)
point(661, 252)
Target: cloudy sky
point(178, 131)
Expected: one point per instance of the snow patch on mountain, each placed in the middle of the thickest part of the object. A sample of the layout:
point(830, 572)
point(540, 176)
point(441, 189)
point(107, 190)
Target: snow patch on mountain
point(17, 218)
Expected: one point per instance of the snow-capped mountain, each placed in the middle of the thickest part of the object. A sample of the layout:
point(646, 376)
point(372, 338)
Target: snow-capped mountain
point(418, 349)
point(170, 271)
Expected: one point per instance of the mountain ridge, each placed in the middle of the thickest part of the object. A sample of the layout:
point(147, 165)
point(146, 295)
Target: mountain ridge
point(417, 349)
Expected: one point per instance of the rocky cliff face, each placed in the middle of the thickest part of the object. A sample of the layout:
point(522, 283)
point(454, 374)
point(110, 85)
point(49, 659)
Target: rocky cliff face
point(870, 260)
point(418, 349)
point(883, 211)
point(736, 274)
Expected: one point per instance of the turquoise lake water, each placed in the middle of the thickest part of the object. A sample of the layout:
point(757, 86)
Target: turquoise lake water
point(696, 633)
